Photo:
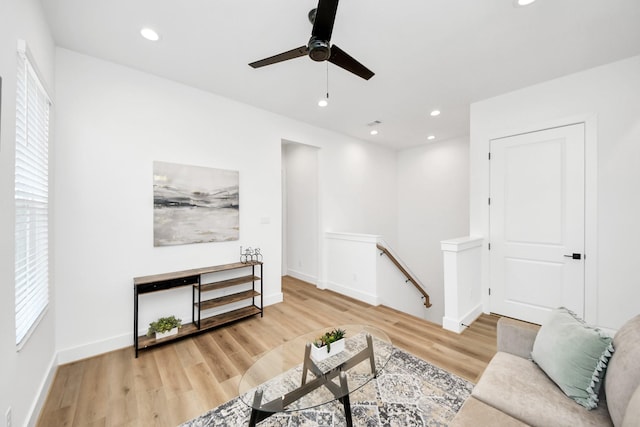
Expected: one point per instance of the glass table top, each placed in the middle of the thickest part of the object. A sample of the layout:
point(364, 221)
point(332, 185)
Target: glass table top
point(287, 380)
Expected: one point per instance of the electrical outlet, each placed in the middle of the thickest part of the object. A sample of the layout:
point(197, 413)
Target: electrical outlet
point(9, 424)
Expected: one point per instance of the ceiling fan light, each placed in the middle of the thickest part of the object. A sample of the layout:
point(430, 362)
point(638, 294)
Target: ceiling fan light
point(323, 102)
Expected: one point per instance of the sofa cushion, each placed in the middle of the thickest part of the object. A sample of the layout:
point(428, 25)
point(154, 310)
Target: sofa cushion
point(477, 414)
point(573, 354)
point(516, 337)
point(521, 389)
point(632, 414)
point(623, 373)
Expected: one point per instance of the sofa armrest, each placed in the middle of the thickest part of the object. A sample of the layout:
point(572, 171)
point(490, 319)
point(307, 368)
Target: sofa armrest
point(516, 337)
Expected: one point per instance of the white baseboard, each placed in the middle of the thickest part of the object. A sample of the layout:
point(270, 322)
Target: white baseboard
point(458, 325)
point(273, 299)
point(43, 391)
point(91, 349)
point(94, 348)
point(353, 293)
point(302, 276)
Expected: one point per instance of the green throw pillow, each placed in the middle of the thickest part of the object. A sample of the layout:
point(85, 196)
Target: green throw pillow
point(574, 355)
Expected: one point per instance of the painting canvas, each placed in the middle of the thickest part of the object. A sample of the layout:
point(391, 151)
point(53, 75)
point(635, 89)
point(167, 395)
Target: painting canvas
point(194, 204)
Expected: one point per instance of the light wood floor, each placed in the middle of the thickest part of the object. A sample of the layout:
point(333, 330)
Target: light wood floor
point(171, 384)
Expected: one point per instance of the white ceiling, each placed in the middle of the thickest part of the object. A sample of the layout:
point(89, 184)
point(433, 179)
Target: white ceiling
point(426, 54)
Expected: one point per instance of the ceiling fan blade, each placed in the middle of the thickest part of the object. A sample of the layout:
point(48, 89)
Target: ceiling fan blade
point(343, 60)
point(325, 17)
point(284, 56)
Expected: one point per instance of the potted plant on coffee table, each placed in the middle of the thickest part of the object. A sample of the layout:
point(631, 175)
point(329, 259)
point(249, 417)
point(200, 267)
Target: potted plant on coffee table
point(328, 344)
point(164, 327)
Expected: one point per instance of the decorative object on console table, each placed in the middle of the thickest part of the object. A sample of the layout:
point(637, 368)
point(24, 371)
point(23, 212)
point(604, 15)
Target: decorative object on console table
point(327, 345)
point(193, 204)
point(164, 327)
point(236, 294)
point(250, 256)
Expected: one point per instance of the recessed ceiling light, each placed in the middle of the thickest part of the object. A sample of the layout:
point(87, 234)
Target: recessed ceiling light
point(523, 2)
point(323, 102)
point(374, 132)
point(431, 137)
point(149, 34)
point(435, 113)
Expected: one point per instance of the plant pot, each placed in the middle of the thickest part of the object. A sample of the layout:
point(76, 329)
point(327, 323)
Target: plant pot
point(321, 353)
point(160, 335)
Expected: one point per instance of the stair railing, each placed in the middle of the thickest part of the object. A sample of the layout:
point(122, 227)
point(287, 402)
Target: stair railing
point(409, 277)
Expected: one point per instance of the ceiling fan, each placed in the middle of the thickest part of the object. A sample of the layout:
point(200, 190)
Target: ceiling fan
point(318, 47)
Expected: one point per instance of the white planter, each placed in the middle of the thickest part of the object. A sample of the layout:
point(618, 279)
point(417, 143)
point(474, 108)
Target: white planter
point(321, 353)
point(160, 335)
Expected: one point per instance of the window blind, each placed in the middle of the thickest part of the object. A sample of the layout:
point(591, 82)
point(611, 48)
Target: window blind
point(31, 199)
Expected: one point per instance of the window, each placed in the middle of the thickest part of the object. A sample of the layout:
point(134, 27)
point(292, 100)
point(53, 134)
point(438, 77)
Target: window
point(31, 198)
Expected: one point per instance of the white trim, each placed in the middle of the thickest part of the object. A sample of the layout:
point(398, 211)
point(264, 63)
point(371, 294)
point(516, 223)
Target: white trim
point(273, 299)
point(23, 49)
point(43, 392)
point(461, 244)
point(94, 348)
point(32, 328)
point(302, 276)
point(459, 325)
point(354, 237)
point(591, 220)
point(350, 292)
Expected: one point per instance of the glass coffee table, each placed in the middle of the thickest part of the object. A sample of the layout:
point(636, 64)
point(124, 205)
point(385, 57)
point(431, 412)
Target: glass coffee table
point(288, 378)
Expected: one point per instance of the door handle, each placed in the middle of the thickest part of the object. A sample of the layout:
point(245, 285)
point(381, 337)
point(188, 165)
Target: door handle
point(574, 256)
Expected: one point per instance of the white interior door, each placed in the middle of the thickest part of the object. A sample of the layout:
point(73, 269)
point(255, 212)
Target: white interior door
point(537, 223)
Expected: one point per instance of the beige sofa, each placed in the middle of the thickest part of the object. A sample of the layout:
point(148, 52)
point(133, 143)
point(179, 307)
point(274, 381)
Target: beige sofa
point(513, 391)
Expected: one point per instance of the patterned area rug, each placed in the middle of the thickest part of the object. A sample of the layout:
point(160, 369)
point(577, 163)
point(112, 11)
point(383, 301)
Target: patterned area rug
point(409, 392)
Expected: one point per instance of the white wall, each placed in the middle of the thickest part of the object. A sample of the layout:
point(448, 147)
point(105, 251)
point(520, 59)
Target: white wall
point(351, 265)
point(433, 205)
point(113, 122)
point(609, 95)
point(23, 374)
point(300, 172)
point(357, 187)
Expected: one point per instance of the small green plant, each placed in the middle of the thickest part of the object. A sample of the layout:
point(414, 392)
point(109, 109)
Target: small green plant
point(329, 337)
point(164, 324)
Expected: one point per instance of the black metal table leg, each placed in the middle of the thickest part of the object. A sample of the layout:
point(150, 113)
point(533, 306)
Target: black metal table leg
point(257, 416)
point(346, 402)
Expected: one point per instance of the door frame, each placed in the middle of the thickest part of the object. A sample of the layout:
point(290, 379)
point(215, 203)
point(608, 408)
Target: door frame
point(591, 207)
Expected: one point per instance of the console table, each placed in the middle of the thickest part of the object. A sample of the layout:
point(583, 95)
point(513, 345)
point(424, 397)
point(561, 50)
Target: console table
point(235, 292)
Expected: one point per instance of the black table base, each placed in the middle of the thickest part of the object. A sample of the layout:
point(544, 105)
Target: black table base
point(261, 411)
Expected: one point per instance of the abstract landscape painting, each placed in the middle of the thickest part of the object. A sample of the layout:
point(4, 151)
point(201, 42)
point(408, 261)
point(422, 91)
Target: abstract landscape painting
point(193, 204)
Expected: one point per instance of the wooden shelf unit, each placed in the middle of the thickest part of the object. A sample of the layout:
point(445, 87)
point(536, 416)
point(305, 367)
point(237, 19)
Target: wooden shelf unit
point(200, 300)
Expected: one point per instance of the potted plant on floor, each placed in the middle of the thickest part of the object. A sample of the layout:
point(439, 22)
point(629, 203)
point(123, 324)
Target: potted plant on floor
point(164, 327)
point(327, 345)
